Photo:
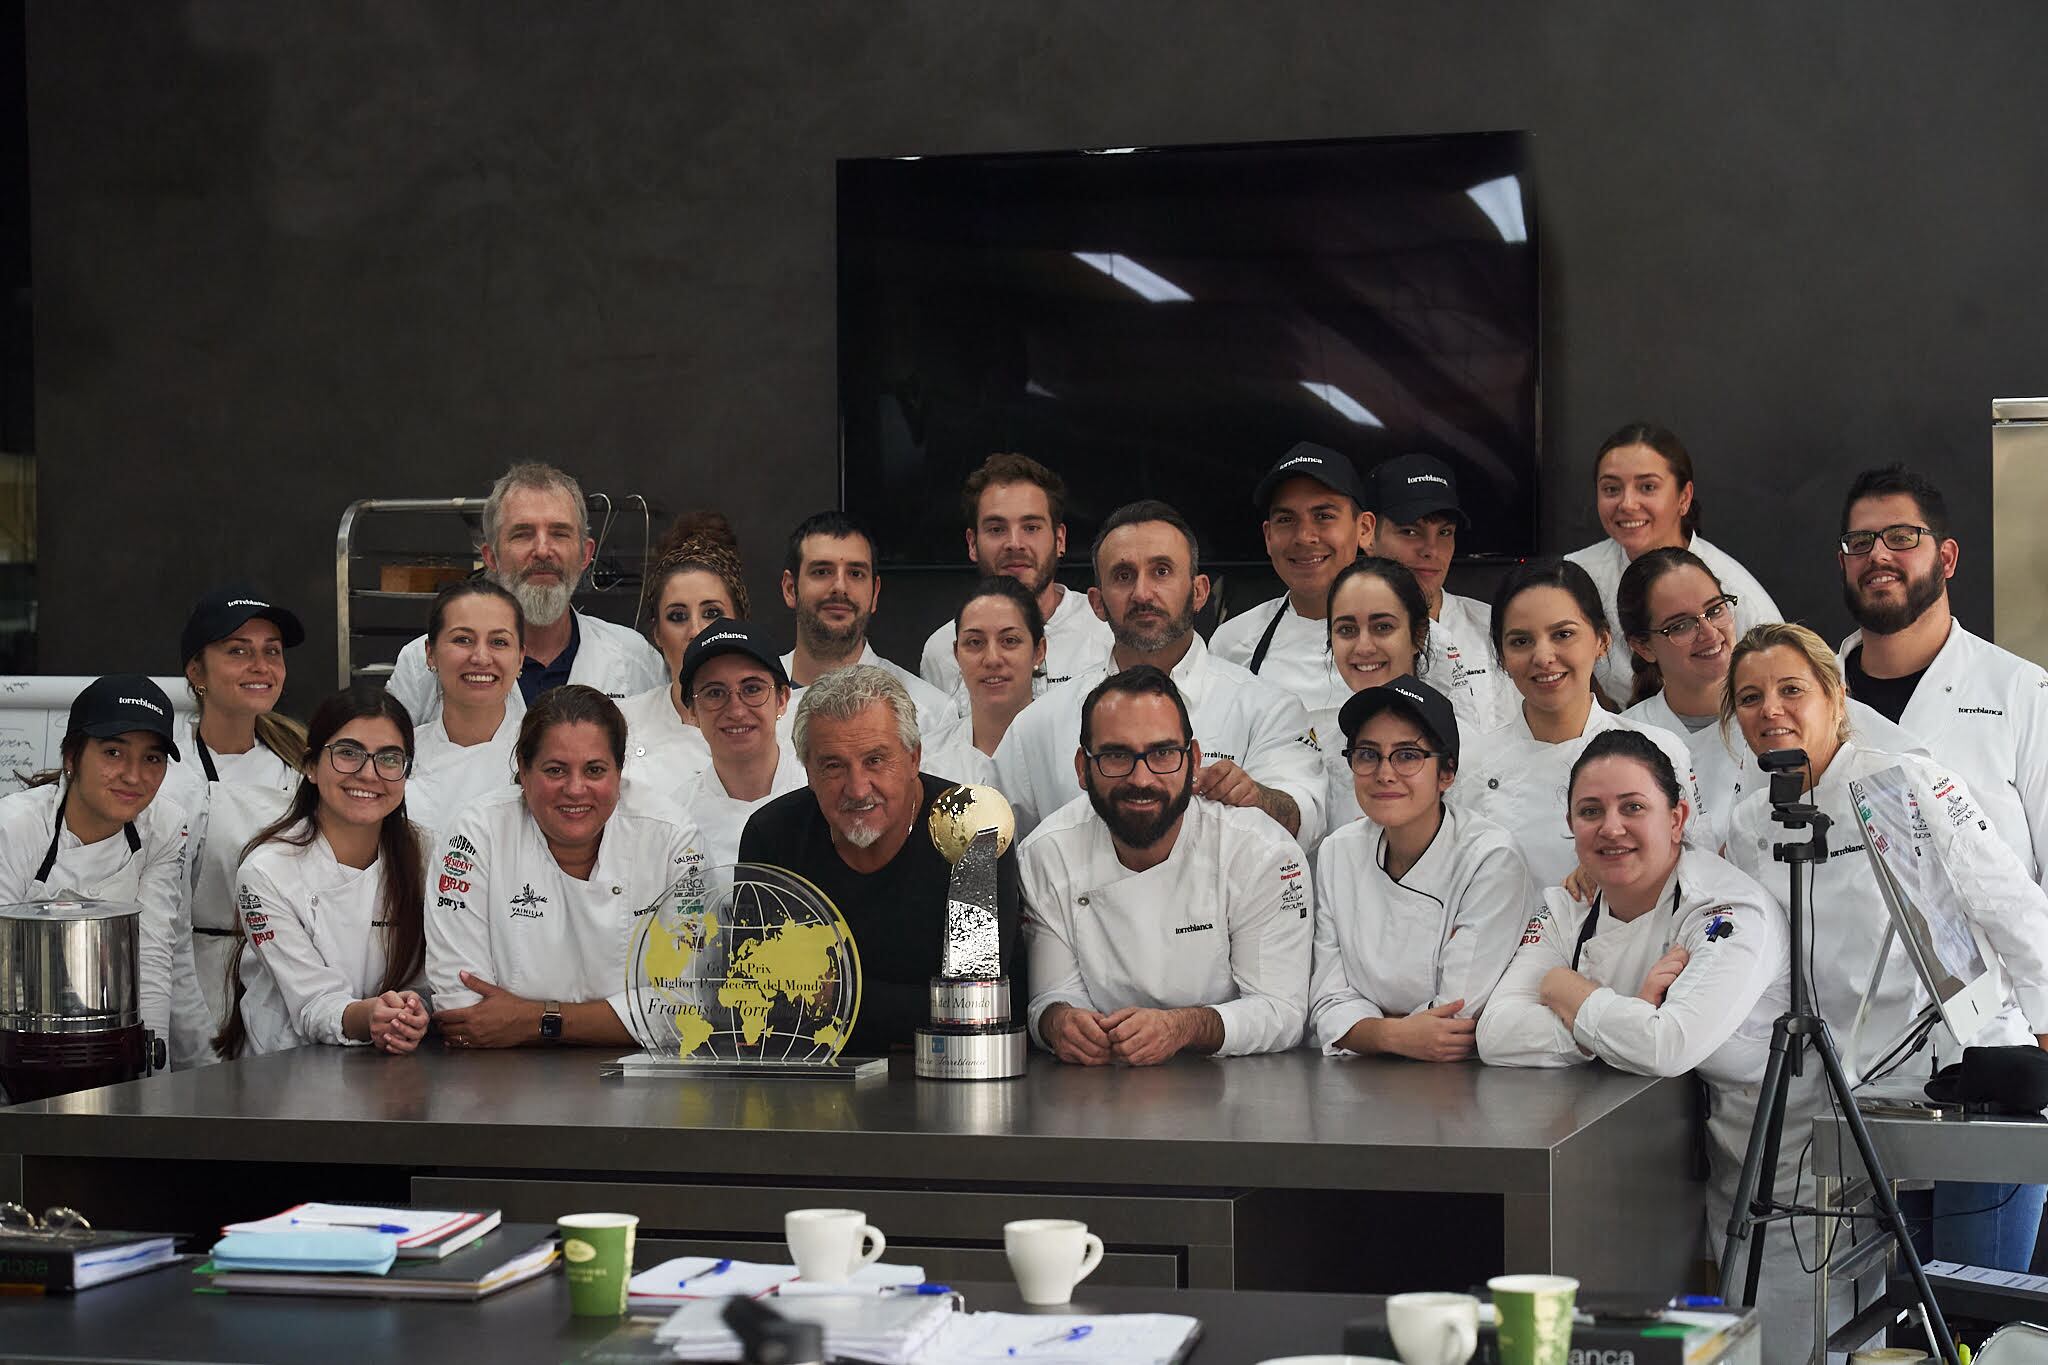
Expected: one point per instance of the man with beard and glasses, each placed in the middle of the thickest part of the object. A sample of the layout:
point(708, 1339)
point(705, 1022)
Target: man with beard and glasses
point(1972, 705)
point(1156, 924)
point(1015, 509)
point(536, 546)
point(831, 584)
point(1254, 738)
point(858, 833)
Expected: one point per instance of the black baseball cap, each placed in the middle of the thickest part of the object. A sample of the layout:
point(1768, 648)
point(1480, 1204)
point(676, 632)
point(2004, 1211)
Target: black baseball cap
point(223, 610)
point(728, 637)
point(119, 703)
point(1408, 488)
point(1307, 460)
point(1413, 698)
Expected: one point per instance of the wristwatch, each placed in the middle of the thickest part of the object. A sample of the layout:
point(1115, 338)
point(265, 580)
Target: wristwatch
point(551, 1021)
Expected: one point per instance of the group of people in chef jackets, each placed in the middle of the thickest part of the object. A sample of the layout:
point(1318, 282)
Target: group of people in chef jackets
point(1528, 829)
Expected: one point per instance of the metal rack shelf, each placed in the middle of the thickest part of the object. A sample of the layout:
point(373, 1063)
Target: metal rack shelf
point(607, 581)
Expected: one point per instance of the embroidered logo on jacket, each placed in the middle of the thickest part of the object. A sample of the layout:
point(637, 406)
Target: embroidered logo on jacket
point(526, 905)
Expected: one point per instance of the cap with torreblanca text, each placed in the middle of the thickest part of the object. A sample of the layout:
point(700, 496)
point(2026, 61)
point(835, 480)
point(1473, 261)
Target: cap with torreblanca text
point(1307, 460)
point(119, 704)
point(1408, 488)
point(1413, 698)
point(728, 637)
point(223, 611)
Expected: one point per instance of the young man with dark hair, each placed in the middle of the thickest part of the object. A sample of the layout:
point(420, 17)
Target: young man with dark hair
point(1255, 742)
point(1015, 509)
point(1157, 924)
point(829, 580)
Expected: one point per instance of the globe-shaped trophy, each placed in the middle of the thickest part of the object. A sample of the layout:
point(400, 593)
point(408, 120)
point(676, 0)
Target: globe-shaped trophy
point(971, 1037)
point(743, 970)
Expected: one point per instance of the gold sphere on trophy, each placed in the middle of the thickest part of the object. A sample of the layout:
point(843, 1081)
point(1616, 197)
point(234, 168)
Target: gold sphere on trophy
point(959, 813)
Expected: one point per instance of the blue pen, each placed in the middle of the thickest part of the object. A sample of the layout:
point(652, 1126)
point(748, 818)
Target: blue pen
point(1057, 1338)
point(718, 1269)
point(395, 1229)
point(925, 1288)
point(1698, 1301)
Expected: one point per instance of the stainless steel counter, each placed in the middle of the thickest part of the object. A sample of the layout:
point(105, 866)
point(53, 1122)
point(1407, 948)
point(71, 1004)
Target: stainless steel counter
point(1215, 1173)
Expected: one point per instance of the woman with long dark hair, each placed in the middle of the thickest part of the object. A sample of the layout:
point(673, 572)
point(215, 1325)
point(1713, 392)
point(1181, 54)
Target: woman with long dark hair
point(476, 645)
point(332, 895)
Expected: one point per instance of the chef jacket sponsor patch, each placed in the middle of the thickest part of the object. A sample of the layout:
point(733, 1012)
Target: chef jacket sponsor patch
point(1292, 897)
point(1532, 932)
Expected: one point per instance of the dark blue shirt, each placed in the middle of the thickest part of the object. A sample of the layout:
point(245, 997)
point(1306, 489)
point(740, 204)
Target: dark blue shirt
point(536, 678)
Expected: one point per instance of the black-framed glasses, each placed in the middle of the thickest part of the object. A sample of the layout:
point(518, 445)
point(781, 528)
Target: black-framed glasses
point(348, 758)
point(1681, 629)
point(1365, 759)
point(1160, 758)
point(16, 1218)
point(716, 696)
point(1903, 536)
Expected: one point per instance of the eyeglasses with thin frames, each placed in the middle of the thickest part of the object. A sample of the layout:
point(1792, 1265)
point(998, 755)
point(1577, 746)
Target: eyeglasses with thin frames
point(348, 759)
point(55, 1221)
point(1681, 630)
point(1365, 759)
point(1160, 758)
point(1903, 536)
point(716, 696)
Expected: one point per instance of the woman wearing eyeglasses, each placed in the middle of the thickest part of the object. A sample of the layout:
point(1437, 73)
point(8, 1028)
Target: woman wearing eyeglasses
point(1643, 491)
point(537, 889)
point(696, 582)
point(733, 684)
point(1418, 906)
point(476, 645)
point(331, 895)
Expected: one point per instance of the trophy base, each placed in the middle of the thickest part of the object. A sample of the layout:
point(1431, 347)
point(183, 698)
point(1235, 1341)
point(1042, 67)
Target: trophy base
point(980, 1054)
point(970, 1002)
point(650, 1064)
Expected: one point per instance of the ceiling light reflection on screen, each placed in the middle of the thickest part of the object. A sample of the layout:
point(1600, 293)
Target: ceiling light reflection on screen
point(1350, 408)
point(1501, 200)
point(1134, 277)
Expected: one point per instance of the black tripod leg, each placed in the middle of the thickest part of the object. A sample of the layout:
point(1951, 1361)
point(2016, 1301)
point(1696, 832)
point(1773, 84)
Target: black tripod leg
point(1759, 1168)
point(1887, 1203)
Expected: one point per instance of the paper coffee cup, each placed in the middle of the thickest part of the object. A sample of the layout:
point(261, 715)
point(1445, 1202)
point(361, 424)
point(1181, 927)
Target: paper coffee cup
point(1533, 1314)
point(597, 1260)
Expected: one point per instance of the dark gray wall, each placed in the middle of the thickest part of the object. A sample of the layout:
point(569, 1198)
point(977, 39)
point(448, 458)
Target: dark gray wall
point(289, 255)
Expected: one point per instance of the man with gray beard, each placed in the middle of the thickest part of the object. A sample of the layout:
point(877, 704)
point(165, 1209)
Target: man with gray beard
point(536, 546)
point(857, 832)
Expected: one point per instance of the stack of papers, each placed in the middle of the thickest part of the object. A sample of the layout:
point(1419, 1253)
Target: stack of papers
point(514, 1254)
point(704, 1277)
point(1122, 1338)
point(889, 1329)
point(423, 1234)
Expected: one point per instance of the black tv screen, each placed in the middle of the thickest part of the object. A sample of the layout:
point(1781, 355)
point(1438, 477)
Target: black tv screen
point(1166, 321)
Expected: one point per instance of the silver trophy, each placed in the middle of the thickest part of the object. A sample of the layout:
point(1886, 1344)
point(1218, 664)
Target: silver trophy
point(971, 1037)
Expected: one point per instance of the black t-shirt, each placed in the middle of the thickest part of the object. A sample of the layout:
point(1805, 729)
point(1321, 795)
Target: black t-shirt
point(897, 915)
point(1889, 697)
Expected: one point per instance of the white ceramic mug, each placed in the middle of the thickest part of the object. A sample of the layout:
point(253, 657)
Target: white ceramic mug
point(1049, 1256)
point(827, 1244)
point(1434, 1329)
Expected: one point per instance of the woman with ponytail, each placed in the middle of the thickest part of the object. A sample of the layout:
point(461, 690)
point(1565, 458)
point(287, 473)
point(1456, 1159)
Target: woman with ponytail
point(241, 763)
point(696, 579)
point(476, 645)
point(332, 895)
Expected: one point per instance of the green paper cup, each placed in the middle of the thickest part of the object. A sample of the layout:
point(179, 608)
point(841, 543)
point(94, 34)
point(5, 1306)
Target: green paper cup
point(1533, 1314)
point(597, 1258)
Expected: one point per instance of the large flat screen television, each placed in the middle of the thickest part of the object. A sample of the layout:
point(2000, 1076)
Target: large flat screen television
point(1167, 321)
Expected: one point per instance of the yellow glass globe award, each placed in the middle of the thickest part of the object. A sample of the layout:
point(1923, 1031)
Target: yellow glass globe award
point(971, 1037)
point(744, 970)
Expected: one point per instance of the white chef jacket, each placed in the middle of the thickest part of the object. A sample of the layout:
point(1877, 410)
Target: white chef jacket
point(315, 944)
point(1224, 922)
point(1605, 560)
point(500, 906)
point(1255, 725)
point(1848, 920)
point(1984, 711)
point(447, 776)
point(1725, 768)
point(1471, 622)
point(660, 748)
point(1520, 782)
point(151, 875)
point(1075, 639)
point(1717, 1016)
point(933, 706)
point(1298, 660)
point(614, 659)
point(718, 818)
point(253, 789)
point(1445, 931)
point(951, 754)
point(1477, 687)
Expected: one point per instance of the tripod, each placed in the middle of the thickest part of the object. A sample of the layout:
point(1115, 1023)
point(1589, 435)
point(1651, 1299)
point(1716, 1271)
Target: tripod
point(1798, 1029)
